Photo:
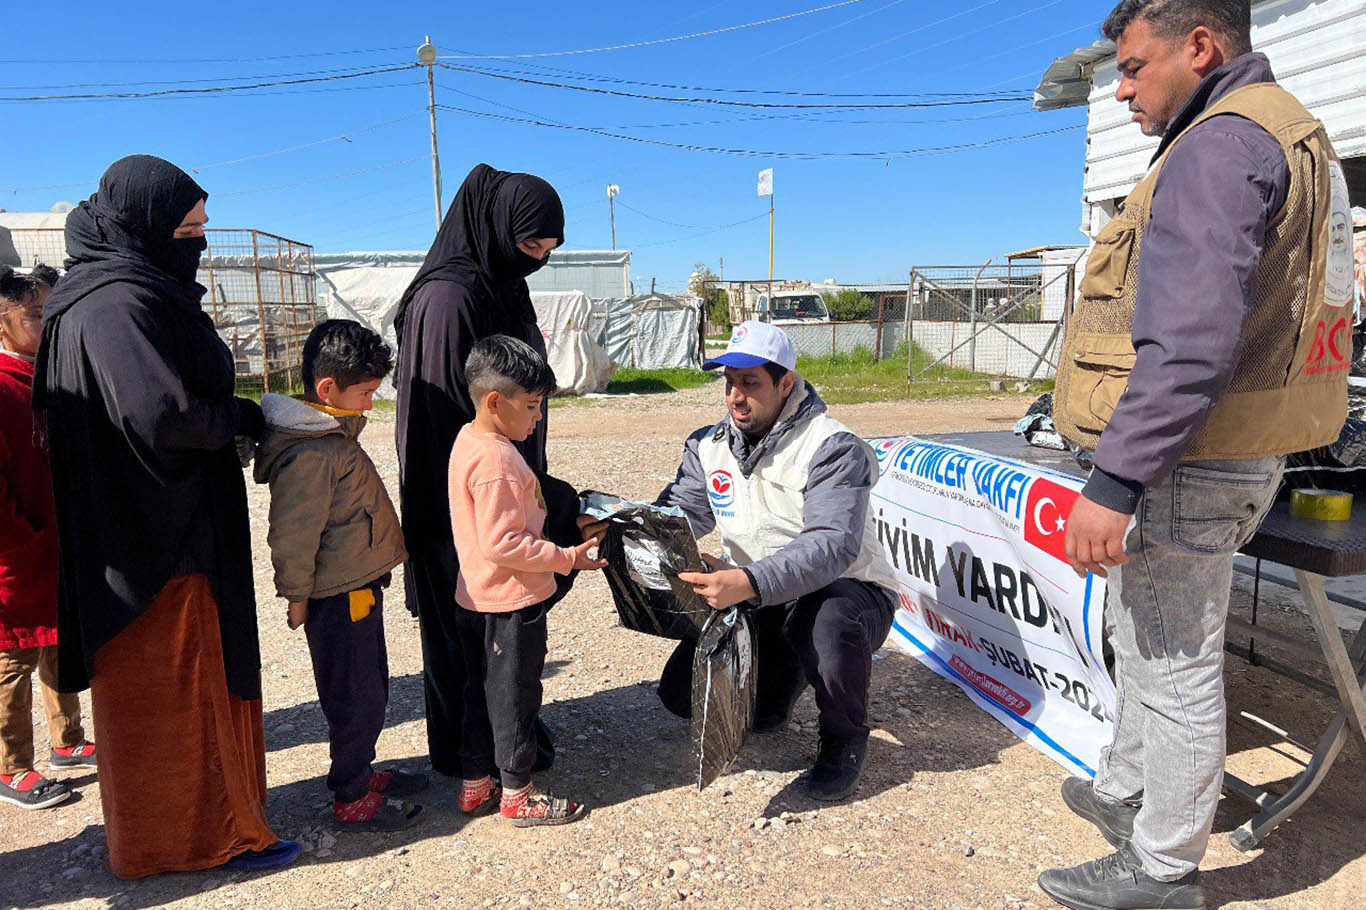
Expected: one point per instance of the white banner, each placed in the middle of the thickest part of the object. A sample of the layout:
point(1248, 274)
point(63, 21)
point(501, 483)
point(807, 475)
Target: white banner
point(766, 182)
point(988, 599)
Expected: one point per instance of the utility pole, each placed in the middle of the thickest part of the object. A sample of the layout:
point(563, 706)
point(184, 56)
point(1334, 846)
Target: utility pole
point(426, 56)
point(612, 190)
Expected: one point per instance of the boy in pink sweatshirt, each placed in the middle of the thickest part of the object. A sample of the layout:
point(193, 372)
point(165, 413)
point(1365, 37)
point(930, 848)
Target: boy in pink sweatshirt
point(507, 572)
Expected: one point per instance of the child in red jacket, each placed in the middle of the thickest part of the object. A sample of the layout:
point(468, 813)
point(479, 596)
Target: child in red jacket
point(28, 564)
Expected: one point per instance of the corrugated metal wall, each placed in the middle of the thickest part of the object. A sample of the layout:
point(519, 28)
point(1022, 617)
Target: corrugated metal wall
point(1318, 51)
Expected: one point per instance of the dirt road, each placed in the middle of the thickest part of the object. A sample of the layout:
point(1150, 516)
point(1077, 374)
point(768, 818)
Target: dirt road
point(953, 811)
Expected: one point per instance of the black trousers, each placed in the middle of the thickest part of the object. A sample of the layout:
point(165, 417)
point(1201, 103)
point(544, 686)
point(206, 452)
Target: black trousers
point(825, 639)
point(351, 668)
point(448, 688)
point(506, 652)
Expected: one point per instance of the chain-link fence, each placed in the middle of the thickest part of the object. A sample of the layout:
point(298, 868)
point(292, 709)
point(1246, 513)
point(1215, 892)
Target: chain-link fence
point(967, 323)
point(260, 295)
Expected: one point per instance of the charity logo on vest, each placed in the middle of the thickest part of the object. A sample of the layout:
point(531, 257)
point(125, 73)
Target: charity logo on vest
point(1332, 348)
point(721, 492)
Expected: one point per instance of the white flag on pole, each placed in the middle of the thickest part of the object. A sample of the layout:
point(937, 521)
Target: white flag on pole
point(766, 182)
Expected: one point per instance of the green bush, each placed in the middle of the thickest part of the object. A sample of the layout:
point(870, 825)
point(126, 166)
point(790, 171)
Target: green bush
point(849, 305)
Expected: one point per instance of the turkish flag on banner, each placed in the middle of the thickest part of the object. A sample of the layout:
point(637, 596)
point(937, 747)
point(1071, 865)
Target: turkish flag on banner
point(1045, 517)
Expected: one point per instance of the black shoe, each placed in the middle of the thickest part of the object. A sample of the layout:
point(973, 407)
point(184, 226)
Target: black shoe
point(1114, 819)
point(838, 766)
point(1118, 882)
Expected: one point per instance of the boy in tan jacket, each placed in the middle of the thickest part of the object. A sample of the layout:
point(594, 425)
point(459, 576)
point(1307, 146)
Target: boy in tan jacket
point(334, 537)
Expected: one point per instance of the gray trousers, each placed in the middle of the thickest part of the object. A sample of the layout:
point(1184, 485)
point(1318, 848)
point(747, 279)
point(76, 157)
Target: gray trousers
point(1166, 612)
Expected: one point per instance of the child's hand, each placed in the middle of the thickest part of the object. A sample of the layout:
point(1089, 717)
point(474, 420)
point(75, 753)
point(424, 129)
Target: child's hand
point(591, 527)
point(298, 613)
point(582, 560)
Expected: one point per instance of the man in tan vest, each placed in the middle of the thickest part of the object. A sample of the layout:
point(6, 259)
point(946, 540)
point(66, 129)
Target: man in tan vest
point(1212, 338)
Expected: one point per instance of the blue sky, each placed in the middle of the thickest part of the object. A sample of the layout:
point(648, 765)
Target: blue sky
point(852, 220)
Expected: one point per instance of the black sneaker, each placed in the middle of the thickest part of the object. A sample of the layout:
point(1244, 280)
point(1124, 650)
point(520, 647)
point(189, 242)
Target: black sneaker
point(1118, 882)
point(30, 790)
point(1114, 819)
point(838, 766)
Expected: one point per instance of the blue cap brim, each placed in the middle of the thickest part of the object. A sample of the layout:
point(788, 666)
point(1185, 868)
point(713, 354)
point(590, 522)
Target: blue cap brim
point(735, 359)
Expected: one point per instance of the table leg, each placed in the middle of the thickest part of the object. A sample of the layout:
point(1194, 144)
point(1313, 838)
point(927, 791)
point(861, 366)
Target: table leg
point(1344, 667)
point(1277, 810)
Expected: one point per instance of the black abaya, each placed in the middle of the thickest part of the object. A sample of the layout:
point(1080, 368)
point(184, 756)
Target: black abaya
point(134, 390)
point(471, 285)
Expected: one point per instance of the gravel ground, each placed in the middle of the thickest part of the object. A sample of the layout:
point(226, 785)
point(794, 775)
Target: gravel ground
point(952, 812)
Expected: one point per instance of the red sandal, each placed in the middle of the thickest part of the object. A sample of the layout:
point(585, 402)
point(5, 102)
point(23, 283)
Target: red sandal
point(538, 809)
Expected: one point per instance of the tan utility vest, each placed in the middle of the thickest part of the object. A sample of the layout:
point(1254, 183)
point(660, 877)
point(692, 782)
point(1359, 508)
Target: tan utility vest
point(1289, 388)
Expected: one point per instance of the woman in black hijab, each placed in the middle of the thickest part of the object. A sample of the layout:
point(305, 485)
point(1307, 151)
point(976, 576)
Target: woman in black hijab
point(156, 610)
point(500, 228)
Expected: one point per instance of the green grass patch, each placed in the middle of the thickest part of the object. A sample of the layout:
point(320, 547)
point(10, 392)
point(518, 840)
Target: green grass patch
point(647, 382)
point(857, 377)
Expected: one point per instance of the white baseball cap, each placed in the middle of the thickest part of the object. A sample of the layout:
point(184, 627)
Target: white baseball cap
point(753, 344)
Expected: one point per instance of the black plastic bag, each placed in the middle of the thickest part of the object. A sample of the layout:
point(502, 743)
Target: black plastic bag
point(1340, 465)
point(1038, 430)
point(645, 548)
point(724, 677)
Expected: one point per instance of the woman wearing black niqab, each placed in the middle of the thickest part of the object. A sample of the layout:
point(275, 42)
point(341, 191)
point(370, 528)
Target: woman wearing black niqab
point(133, 392)
point(500, 228)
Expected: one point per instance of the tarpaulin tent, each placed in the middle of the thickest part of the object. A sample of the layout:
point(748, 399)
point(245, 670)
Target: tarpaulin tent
point(648, 331)
point(580, 364)
point(367, 287)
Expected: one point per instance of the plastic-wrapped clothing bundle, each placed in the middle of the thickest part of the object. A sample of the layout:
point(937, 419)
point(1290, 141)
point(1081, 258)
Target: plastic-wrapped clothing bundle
point(724, 676)
point(1340, 465)
point(1038, 430)
point(645, 547)
point(1037, 425)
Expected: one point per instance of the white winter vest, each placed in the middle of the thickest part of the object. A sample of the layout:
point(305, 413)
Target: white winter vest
point(760, 514)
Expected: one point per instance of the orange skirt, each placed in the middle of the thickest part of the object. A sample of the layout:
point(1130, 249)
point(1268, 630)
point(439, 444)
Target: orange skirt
point(182, 761)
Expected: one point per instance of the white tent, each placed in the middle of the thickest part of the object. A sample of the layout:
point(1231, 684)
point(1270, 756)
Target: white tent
point(648, 331)
point(367, 287)
point(580, 364)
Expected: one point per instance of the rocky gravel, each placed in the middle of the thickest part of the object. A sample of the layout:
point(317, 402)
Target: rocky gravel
point(953, 811)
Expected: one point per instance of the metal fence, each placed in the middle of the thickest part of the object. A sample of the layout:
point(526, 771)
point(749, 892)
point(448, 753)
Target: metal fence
point(263, 303)
point(260, 295)
point(967, 323)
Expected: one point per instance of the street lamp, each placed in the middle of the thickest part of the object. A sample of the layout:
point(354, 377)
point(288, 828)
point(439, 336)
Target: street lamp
point(426, 56)
point(612, 190)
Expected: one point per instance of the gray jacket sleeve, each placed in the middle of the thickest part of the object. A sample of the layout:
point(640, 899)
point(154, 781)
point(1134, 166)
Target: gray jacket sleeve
point(689, 488)
point(1220, 186)
point(838, 482)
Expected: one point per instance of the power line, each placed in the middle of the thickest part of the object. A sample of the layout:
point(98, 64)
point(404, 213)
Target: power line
point(763, 153)
point(919, 28)
point(617, 80)
point(959, 37)
point(180, 81)
point(216, 164)
point(654, 41)
point(827, 30)
point(1000, 98)
point(688, 227)
point(814, 117)
point(288, 186)
point(715, 230)
point(340, 137)
point(179, 60)
point(207, 90)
